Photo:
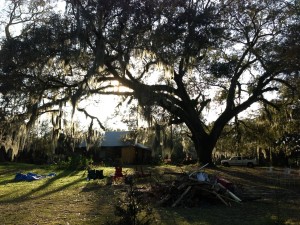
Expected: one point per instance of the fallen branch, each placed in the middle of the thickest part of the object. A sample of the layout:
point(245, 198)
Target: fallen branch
point(222, 200)
point(181, 196)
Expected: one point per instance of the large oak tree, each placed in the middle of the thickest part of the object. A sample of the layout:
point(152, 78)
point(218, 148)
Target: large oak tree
point(181, 56)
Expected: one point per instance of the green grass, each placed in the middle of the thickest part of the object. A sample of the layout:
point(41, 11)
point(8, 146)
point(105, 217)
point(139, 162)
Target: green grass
point(68, 198)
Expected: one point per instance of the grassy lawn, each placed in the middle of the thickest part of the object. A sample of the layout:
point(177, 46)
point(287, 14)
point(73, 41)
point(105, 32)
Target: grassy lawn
point(68, 198)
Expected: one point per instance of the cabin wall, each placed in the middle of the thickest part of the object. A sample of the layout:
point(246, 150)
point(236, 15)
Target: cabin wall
point(128, 155)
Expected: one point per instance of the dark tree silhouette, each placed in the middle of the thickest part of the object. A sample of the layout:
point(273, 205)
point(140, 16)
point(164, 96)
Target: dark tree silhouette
point(180, 56)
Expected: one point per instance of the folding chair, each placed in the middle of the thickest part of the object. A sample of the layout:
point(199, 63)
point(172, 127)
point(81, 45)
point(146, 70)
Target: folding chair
point(95, 174)
point(118, 176)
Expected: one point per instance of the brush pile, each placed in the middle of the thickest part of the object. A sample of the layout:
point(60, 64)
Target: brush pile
point(194, 190)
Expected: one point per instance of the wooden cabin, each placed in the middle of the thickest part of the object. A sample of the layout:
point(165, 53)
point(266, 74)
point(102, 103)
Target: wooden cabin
point(115, 147)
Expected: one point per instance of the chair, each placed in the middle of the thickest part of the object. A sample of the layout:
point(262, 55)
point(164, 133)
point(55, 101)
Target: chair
point(118, 175)
point(95, 174)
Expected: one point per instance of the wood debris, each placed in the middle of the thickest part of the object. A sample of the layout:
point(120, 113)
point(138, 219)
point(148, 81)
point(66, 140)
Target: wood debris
point(194, 190)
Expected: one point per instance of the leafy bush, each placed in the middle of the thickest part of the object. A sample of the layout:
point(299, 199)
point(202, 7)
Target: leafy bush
point(76, 162)
point(79, 162)
point(131, 211)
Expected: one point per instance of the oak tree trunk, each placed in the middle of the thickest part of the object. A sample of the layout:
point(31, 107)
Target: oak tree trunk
point(204, 148)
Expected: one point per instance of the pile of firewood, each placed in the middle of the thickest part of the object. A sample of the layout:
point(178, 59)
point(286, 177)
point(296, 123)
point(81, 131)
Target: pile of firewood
point(194, 190)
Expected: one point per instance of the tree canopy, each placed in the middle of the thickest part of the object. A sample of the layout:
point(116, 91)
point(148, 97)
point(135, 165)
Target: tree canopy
point(182, 58)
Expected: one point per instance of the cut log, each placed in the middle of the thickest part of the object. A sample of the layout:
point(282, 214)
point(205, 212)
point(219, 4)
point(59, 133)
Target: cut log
point(181, 196)
point(222, 200)
point(230, 193)
point(182, 185)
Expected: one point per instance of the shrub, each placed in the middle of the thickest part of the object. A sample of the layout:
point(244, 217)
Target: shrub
point(79, 162)
point(131, 211)
point(75, 162)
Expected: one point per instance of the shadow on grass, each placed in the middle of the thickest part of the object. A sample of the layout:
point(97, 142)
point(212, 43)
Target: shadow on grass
point(274, 210)
point(8, 167)
point(47, 183)
point(251, 176)
point(97, 201)
point(255, 213)
point(259, 177)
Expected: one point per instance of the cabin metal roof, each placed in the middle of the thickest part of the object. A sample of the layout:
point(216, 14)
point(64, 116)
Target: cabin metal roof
point(115, 139)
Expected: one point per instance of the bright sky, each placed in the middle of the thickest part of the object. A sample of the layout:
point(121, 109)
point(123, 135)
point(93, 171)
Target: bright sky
point(103, 109)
